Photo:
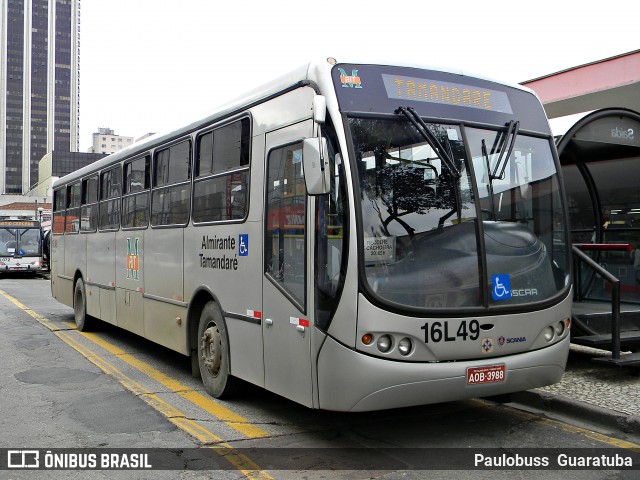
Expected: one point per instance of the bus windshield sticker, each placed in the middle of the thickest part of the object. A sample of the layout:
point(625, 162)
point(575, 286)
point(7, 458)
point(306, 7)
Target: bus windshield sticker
point(446, 93)
point(501, 289)
point(379, 249)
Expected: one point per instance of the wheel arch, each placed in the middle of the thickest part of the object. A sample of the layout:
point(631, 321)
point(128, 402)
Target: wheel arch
point(200, 298)
point(77, 275)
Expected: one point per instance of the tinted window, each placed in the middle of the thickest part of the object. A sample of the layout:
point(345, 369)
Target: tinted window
point(135, 202)
point(221, 187)
point(109, 211)
point(221, 198)
point(72, 224)
point(224, 149)
point(136, 175)
point(59, 204)
point(172, 164)
point(89, 214)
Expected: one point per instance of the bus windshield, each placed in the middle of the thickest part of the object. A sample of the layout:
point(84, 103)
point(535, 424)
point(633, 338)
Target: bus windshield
point(441, 230)
point(20, 242)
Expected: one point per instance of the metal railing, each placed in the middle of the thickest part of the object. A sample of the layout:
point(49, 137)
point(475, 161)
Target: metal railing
point(581, 258)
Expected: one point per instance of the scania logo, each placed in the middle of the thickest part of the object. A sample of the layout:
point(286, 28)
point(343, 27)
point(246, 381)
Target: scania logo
point(503, 340)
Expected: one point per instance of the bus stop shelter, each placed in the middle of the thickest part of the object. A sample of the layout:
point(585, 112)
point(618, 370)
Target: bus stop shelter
point(611, 82)
point(600, 159)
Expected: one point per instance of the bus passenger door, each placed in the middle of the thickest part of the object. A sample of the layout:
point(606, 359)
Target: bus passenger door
point(287, 316)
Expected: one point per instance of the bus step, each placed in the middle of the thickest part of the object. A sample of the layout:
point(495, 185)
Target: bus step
point(627, 339)
point(627, 359)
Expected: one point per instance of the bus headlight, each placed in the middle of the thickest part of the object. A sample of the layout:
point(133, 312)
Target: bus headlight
point(559, 328)
point(404, 346)
point(548, 333)
point(384, 343)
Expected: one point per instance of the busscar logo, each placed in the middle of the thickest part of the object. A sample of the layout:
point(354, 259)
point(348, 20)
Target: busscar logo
point(350, 81)
point(23, 459)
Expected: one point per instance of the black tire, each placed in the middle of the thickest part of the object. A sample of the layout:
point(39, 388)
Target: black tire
point(83, 321)
point(213, 353)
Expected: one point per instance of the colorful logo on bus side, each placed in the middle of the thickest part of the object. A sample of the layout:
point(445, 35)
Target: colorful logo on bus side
point(350, 81)
point(133, 259)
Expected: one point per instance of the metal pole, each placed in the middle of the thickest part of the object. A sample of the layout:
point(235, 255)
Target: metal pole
point(615, 321)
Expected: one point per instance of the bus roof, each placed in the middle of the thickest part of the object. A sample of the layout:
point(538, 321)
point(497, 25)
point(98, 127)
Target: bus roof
point(311, 73)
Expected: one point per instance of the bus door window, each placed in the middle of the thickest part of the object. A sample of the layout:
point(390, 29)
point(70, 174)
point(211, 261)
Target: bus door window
point(285, 231)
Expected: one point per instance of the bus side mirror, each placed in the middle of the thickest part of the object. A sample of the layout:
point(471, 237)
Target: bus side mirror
point(315, 159)
point(319, 109)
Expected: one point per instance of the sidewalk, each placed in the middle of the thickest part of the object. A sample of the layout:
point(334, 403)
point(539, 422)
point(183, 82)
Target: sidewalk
point(602, 394)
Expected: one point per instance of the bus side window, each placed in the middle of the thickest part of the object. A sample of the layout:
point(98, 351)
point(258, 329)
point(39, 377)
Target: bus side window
point(59, 206)
point(89, 217)
point(135, 197)
point(222, 173)
point(72, 224)
point(109, 209)
point(171, 193)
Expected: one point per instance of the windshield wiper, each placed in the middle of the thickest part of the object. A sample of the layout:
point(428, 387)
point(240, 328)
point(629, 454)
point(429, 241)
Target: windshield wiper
point(503, 160)
point(485, 155)
point(431, 139)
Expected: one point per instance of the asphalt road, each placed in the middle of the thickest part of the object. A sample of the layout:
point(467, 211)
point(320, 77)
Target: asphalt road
point(88, 393)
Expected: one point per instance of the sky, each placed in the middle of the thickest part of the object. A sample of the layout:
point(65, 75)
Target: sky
point(154, 65)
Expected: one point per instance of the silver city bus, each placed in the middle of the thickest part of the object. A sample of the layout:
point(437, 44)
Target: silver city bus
point(20, 246)
point(351, 236)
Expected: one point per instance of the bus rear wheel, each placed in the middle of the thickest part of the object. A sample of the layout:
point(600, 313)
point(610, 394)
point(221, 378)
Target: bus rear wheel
point(213, 353)
point(83, 321)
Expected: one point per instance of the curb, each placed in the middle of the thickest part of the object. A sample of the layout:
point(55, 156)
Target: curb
point(577, 409)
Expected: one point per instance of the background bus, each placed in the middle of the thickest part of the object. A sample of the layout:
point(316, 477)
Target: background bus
point(350, 236)
point(20, 246)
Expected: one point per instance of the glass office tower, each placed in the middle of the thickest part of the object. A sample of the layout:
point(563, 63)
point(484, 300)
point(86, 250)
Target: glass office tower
point(39, 64)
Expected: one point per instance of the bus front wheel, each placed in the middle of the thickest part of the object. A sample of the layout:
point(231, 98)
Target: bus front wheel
point(213, 353)
point(83, 321)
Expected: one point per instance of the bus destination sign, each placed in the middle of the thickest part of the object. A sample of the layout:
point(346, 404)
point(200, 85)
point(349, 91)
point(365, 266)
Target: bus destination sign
point(446, 93)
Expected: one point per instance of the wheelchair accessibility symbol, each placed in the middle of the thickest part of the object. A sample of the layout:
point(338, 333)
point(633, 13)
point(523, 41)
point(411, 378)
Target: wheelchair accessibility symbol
point(243, 245)
point(501, 287)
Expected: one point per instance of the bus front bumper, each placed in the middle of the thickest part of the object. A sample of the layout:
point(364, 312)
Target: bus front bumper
point(351, 381)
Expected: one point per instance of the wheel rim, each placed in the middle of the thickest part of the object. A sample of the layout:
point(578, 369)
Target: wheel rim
point(211, 346)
